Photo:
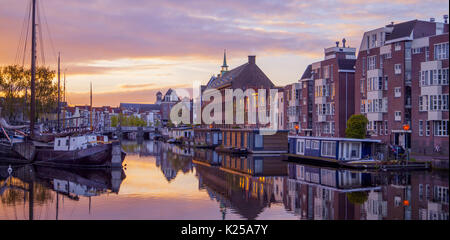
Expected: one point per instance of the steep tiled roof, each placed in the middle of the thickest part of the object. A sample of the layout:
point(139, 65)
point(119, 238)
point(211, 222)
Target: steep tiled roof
point(246, 75)
point(402, 30)
point(307, 73)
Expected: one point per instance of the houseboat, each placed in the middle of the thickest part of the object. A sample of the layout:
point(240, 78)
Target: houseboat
point(241, 141)
point(207, 137)
point(85, 150)
point(181, 135)
point(333, 149)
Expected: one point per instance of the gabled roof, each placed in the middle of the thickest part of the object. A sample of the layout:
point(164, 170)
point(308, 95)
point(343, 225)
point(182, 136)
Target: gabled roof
point(307, 74)
point(246, 75)
point(402, 30)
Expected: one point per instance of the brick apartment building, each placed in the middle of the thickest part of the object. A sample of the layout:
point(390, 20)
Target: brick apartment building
point(322, 100)
point(402, 78)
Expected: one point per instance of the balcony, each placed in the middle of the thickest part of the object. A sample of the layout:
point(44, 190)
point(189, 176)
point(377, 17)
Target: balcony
point(431, 90)
point(321, 100)
point(377, 116)
point(434, 115)
point(321, 118)
point(377, 94)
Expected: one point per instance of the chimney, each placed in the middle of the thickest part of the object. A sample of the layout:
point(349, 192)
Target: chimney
point(343, 42)
point(337, 43)
point(432, 19)
point(251, 59)
point(445, 18)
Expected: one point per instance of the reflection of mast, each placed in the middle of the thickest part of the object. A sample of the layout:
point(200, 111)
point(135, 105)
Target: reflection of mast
point(57, 204)
point(223, 210)
point(31, 200)
point(89, 205)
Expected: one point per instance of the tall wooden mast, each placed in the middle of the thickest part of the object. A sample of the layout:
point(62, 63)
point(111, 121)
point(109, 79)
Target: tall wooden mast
point(91, 108)
point(33, 69)
point(59, 92)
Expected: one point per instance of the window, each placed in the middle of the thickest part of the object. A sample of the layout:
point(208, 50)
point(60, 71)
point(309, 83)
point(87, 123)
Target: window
point(386, 82)
point(385, 127)
point(398, 116)
point(315, 145)
point(398, 68)
point(428, 128)
point(371, 62)
point(427, 54)
point(308, 143)
point(328, 149)
point(388, 55)
point(397, 92)
point(420, 192)
point(363, 106)
point(374, 40)
point(438, 102)
point(420, 127)
point(423, 103)
point(350, 150)
point(440, 128)
point(441, 51)
point(300, 146)
point(364, 66)
point(363, 83)
point(398, 46)
point(381, 61)
point(416, 50)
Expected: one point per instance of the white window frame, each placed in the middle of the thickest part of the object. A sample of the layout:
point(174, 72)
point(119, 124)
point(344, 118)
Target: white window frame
point(441, 51)
point(301, 146)
point(398, 116)
point(397, 92)
point(420, 127)
point(398, 68)
point(328, 149)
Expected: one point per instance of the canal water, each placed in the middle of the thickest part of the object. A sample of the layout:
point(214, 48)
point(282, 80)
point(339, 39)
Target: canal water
point(163, 181)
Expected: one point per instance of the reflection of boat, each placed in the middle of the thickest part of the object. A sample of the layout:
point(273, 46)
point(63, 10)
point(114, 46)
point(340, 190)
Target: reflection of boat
point(82, 182)
point(69, 182)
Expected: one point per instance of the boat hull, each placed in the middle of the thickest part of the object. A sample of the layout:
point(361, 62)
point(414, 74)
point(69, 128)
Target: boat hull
point(95, 156)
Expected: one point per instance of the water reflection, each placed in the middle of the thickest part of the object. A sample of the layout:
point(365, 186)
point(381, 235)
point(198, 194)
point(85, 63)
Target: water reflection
point(166, 181)
point(35, 185)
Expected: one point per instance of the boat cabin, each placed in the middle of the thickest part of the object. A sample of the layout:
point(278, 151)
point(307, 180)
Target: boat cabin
point(77, 142)
point(181, 132)
point(211, 137)
point(251, 140)
point(342, 149)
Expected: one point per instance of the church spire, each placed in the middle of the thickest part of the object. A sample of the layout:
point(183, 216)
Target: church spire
point(224, 66)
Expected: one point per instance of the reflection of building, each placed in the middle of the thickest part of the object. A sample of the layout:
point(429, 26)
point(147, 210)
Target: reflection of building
point(173, 159)
point(245, 185)
point(327, 193)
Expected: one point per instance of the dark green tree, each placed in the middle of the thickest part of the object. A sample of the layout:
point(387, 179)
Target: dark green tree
point(357, 198)
point(356, 126)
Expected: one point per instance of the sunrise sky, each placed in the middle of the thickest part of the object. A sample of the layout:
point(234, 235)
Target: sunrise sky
point(132, 49)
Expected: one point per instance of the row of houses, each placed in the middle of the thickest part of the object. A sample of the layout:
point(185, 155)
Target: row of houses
point(99, 118)
point(398, 76)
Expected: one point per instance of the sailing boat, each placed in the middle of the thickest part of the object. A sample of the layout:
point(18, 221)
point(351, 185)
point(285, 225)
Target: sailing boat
point(88, 150)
